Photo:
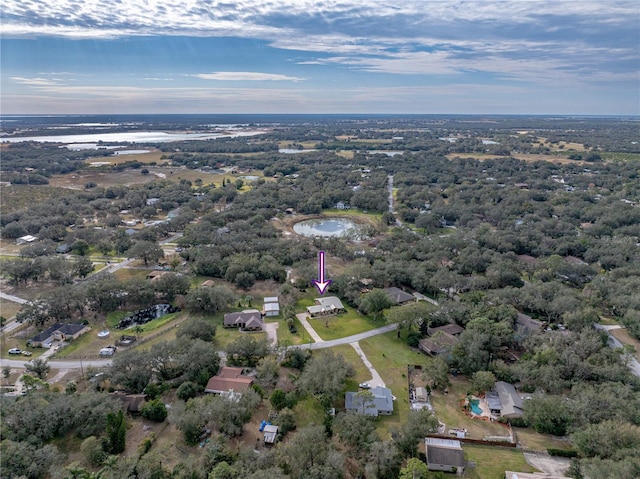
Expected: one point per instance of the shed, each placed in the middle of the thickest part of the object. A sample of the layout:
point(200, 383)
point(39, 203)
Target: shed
point(26, 239)
point(271, 306)
point(270, 434)
point(444, 455)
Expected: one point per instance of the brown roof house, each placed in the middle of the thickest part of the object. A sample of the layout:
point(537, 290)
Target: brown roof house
point(229, 380)
point(444, 455)
point(131, 403)
point(452, 329)
point(398, 296)
point(247, 320)
point(438, 344)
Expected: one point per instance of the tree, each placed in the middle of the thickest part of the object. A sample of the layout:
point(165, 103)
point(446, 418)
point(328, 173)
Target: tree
point(80, 247)
point(147, 251)
point(548, 415)
point(436, 374)
point(92, 450)
point(197, 328)
point(356, 431)
point(608, 440)
point(267, 372)
point(115, 432)
point(210, 300)
point(154, 410)
point(383, 461)
point(308, 455)
point(188, 390)
point(39, 367)
point(171, 284)
point(6, 372)
point(325, 373)
point(418, 425)
point(83, 266)
point(375, 301)
point(247, 350)
point(415, 469)
point(278, 399)
point(482, 381)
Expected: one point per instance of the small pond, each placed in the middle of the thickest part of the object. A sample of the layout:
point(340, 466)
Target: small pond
point(249, 177)
point(328, 227)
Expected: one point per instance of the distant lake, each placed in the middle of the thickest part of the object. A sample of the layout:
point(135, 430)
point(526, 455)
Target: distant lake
point(129, 137)
point(293, 151)
point(327, 227)
point(384, 152)
point(249, 177)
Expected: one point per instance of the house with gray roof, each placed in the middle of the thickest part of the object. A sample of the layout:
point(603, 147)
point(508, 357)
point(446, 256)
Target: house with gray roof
point(373, 402)
point(504, 400)
point(444, 455)
point(326, 307)
point(57, 332)
point(398, 296)
point(247, 320)
point(440, 343)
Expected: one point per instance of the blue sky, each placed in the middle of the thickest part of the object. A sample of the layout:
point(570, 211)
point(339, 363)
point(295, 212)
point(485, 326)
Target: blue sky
point(302, 56)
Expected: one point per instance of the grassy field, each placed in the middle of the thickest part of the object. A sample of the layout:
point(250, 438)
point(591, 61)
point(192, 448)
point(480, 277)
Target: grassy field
point(344, 324)
point(286, 338)
point(491, 462)
point(8, 309)
point(530, 439)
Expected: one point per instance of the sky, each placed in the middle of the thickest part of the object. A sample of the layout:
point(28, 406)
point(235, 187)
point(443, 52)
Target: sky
point(564, 57)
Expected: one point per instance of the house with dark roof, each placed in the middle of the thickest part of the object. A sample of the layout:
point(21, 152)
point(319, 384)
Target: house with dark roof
point(373, 402)
point(229, 380)
point(326, 307)
point(247, 320)
point(452, 329)
point(398, 296)
point(131, 403)
point(64, 248)
point(444, 455)
point(57, 332)
point(438, 344)
point(504, 400)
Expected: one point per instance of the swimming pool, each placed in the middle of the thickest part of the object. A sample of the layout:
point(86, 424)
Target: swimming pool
point(475, 409)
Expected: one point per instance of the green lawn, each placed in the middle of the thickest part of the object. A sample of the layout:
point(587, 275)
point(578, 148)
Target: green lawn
point(308, 411)
point(286, 338)
point(8, 309)
point(344, 324)
point(390, 356)
point(491, 462)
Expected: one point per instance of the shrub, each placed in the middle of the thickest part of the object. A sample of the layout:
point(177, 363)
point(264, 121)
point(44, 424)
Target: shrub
point(562, 452)
point(154, 411)
point(188, 390)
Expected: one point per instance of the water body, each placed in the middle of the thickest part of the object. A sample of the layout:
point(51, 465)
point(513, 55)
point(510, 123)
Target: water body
point(340, 227)
point(249, 177)
point(292, 151)
point(129, 137)
point(385, 152)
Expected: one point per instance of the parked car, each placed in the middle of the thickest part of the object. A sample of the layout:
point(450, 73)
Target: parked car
point(364, 386)
point(15, 351)
point(27, 353)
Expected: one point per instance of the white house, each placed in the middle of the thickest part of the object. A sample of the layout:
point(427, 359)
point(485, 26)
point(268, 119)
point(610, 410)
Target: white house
point(26, 239)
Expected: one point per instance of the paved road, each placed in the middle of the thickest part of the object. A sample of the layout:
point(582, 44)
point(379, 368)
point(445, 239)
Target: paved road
point(633, 363)
point(349, 339)
point(13, 298)
point(101, 363)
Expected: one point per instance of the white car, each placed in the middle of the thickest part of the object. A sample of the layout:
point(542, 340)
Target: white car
point(364, 386)
point(15, 351)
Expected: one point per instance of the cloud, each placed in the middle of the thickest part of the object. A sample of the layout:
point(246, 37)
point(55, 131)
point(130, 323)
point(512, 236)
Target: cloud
point(246, 76)
point(38, 82)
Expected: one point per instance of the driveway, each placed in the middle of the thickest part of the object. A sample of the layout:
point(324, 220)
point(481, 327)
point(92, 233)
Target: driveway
point(272, 332)
point(302, 317)
point(554, 466)
point(375, 380)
